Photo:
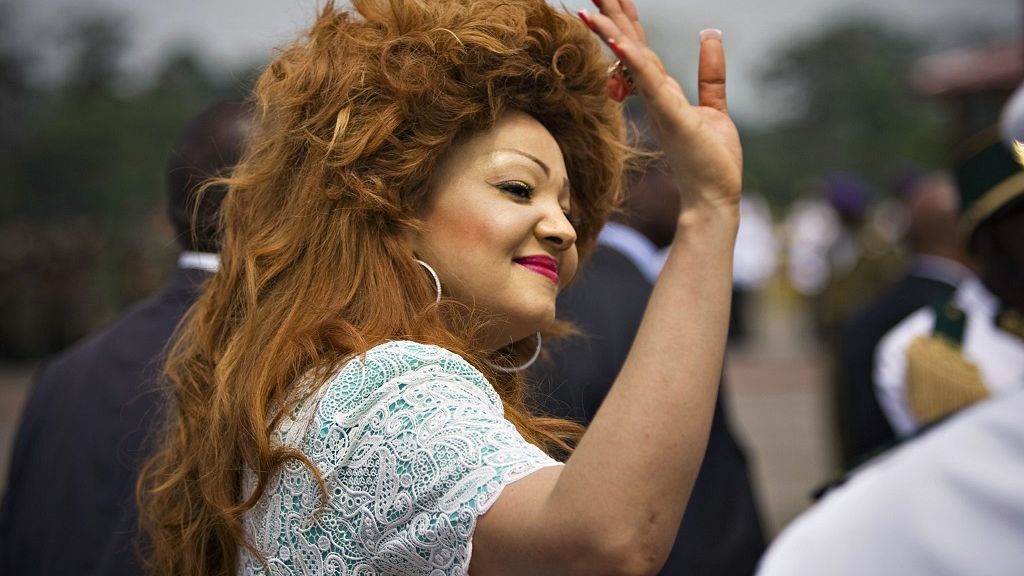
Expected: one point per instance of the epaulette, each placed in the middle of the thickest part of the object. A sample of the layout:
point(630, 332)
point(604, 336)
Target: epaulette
point(940, 380)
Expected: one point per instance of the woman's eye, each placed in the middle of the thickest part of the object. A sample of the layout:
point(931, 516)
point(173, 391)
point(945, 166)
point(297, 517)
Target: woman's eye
point(517, 189)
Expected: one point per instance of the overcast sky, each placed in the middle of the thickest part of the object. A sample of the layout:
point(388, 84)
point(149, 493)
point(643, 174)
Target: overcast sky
point(232, 32)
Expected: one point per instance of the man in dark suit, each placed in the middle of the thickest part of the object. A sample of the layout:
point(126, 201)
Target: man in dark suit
point(721, 531)
point(936, 268)
point(70, 505)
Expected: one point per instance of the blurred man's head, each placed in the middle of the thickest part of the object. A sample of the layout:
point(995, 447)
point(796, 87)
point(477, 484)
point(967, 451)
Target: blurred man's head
point(211, 146)
point(652, 204)
point(652, 201)
point(934, 208)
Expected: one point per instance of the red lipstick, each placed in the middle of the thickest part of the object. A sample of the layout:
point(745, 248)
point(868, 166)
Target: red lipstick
point(542, 264)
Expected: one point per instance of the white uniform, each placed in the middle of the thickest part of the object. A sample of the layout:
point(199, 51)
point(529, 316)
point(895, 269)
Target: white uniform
point(948, 503)
point(999, 355)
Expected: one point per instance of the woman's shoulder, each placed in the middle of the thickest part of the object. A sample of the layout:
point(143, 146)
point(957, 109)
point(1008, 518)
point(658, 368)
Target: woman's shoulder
point(396, 357)
point(399, 358)
point(397, 368)
point(412, 446)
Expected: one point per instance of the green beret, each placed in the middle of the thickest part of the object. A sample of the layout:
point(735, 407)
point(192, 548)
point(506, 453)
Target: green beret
point(989, 177)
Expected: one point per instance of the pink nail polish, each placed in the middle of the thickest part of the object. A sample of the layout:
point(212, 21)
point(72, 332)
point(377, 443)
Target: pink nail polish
point(586, 18)
point(616, 49)
point(597, 3)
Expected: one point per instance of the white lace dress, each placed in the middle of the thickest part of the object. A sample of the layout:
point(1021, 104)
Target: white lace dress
point(413, 446)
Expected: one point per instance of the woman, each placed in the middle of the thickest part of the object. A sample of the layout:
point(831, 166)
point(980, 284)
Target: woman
point(422, 181)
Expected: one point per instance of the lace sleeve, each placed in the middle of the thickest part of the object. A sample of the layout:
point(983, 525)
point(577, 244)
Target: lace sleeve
point(413, 445)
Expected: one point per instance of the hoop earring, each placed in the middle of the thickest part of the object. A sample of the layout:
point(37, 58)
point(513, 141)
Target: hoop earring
point(520, 368)
point(437, 281)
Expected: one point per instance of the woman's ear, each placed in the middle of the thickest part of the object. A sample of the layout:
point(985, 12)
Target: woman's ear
point(412, 237)
point(413, 225)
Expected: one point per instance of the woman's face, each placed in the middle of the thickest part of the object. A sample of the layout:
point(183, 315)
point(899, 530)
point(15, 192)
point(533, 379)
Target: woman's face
point(496, 227)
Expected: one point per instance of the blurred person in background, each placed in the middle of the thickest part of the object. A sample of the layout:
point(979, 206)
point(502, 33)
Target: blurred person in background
point(970, 346)
point(935, 268)
point(754, 261)
point(69, 507)
point(948, 502)
point(857, 259)
point(721, 531)
point(812, 227)
point(862, 260)
point(837, 255)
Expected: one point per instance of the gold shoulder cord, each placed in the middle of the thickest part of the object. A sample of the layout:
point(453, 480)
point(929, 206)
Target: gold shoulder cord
point(940, 380)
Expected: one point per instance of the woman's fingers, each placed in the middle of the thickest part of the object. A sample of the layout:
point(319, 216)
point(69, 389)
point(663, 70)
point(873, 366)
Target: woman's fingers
point(624, 14)
point(641, 33)
point(629, 9)
point(618, 26)
point(700, 142)
point(711, 71)
point(645, 68)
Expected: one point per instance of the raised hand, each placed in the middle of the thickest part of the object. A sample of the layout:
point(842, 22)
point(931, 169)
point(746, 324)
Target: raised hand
point(700, 142)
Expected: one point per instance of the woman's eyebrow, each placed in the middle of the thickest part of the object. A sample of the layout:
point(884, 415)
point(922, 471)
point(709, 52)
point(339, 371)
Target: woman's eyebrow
point(538, 161)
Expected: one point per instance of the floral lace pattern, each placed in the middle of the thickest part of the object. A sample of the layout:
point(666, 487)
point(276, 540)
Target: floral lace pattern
point(413, 446)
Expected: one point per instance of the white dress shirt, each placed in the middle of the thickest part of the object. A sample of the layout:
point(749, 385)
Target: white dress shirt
point(634, 246)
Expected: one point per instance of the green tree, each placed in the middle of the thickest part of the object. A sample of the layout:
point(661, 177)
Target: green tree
point(849, 108)
point(82, 231)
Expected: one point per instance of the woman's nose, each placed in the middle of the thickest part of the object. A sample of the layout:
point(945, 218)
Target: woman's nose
point(556, 229)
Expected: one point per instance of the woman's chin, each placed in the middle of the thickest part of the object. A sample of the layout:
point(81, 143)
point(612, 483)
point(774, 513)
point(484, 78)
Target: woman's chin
point(525, 327)
point(538, 322)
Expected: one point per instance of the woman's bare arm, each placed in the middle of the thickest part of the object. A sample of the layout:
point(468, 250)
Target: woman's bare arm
point(616, 505)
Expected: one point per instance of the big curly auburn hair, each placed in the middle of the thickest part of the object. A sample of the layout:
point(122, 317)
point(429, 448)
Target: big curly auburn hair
point(350, 121)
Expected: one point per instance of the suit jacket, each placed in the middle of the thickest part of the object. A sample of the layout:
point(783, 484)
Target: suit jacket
point(863, 427)
point(69, 506)
point(721, 532)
